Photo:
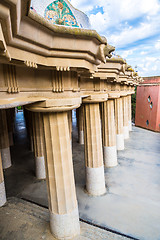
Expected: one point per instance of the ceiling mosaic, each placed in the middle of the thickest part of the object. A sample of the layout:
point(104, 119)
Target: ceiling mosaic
point(58, 12)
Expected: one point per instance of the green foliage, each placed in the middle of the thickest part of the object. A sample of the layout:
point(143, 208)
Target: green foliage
point(19, 108)
point(134, 105)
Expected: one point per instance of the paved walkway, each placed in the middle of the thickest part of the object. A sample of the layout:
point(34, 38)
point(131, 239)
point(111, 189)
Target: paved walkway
point(21, 220)
point(132, 203)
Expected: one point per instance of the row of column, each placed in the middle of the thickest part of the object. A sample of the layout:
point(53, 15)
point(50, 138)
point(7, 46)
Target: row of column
point(50, 133)
point(116, 123)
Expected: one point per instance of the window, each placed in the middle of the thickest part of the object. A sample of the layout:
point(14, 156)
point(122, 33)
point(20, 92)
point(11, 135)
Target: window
point(149, 99)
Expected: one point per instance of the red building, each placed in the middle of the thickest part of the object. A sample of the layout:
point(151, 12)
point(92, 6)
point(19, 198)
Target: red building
point(148, 104)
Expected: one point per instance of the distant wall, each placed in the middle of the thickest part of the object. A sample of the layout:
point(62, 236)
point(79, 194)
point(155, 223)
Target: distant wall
point(148, 104)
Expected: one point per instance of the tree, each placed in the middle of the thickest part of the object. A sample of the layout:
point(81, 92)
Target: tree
point(134, 105)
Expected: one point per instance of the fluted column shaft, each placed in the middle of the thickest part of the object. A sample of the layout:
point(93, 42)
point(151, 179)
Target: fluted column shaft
point(125, 117)
point(119, 123)
point(38, 145)
point(109, 134)
point(10, 114)
point(2, 186)
point(129, 113)
point(95, 182)
point(70, 123)
point(4, 140)
point(64, 218)
point(80, 124)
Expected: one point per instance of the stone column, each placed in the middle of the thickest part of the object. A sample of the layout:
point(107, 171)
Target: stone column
point(64, 217)
point(125, 118)
point(119, 123)
point(4, 140)
point(38, 145)
point(2, 186)
point(109, 134)
point(10, 114)
point(129, 113)
point(70, 124)
point(80, 125)
point(63, 207)
point(95, 181)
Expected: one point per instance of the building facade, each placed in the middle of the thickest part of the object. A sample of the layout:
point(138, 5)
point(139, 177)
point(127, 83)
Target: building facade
point(148, 104)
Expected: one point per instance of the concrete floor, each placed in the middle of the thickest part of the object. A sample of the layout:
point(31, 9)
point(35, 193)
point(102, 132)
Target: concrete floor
point(132, 203)
point(21, 220)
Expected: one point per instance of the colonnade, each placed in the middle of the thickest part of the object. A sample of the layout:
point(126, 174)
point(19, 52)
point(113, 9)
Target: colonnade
point(51, 70)
point(103, 111)
point(103, 124)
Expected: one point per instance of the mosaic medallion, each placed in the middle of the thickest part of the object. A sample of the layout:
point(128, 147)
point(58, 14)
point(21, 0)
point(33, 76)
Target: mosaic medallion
point(58, 12)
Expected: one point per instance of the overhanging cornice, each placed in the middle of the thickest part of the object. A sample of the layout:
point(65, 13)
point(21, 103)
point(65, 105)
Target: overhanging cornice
point(29, 37)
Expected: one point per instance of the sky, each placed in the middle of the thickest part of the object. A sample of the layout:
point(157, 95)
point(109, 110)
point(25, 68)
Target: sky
point(132, 26)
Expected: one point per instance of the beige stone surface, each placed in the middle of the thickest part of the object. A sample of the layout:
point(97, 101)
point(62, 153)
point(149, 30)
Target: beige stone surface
point(119, 115)
point(93, 136)
point(125, 117)
point(59, 167)
point(1, 170)
point(59, 174)
point(2, 194)
point(95, 182)
point(119, 123)
point(108, 124)
point(109, 134)
point(129, 113)
point(4, 140)
point(2, 185)
point(80, 123)
point(10, 114)
point(37, 126)
point(70, 123)
point(125, 111)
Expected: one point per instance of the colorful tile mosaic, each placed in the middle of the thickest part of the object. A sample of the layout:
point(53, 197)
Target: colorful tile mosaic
point(58, 12)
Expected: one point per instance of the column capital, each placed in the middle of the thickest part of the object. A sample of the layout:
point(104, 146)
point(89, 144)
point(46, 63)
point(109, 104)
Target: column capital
point(113, 95)
point(123, 93)
point(95, 98)
point(55, 105)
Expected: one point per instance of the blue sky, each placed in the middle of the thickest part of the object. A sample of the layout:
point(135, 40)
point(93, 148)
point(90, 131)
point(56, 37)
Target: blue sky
point(132, 26)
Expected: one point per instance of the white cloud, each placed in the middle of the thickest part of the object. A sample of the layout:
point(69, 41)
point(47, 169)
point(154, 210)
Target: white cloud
point(131, 26)
point(130, 35)
point(157, 45)
point(143, 53)
point(127, 53)
point(99, 21)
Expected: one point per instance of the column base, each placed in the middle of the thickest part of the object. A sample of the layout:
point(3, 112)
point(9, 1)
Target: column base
point(40, 168)
point(126, 132)
point(81, 137)
point(6, 158)
point(120, 141)
point(95, 181)
point(110, 156)
point(65, 226)
point(130, 125)
point(2, 194)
